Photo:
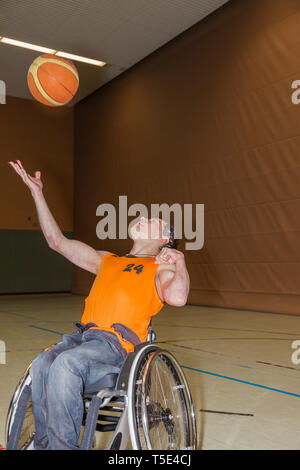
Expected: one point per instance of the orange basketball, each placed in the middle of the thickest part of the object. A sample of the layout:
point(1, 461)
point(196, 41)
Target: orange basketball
point(52, 80)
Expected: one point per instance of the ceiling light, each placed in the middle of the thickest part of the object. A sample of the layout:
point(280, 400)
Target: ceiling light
point(80, 58)
point(46, 50)
point(26, 45)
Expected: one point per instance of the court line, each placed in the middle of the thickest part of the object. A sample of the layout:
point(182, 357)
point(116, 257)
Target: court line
point(225, 329)
point(21, 335)
point(46, 329)
point(226, 358)
point(226, 413)
point(18, 314)
point(242, 381)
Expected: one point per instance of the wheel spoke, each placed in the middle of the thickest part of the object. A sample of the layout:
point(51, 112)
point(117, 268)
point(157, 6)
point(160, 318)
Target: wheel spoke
point(163, 404)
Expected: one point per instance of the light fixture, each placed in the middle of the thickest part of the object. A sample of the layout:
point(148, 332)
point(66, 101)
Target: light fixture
point(46, 50)
point(26, 45)
point(79, 58)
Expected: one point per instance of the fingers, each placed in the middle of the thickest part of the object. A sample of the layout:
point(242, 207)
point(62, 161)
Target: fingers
point(169, 256)
point(20, 166)
point(23, 172)
point(16, 167)
point(164, 257)
point(20, 170)
point(165, 253)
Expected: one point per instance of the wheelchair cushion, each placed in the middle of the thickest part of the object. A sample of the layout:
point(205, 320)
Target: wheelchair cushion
point(108, 381)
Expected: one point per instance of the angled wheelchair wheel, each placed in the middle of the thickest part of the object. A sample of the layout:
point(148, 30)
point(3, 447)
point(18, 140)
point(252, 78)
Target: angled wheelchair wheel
point(22, 392)
point(160, 409)
point(20, 419)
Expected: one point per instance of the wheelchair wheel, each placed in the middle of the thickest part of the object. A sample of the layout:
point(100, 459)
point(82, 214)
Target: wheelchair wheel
point(160, 408)
point(28, 428)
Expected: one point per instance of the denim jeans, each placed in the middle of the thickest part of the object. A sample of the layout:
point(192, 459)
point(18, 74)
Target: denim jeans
point(59, 377)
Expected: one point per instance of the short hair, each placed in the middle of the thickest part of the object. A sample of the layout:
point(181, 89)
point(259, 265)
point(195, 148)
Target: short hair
point(169, 232)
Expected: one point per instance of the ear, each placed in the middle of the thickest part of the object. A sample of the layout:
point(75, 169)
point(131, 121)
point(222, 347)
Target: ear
point(163, 241)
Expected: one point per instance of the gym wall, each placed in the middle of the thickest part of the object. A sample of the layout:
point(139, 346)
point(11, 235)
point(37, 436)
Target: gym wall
point(207, 119)
point(42, 138)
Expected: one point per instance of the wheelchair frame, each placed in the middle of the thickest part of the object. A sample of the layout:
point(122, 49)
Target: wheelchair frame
point(116, 396)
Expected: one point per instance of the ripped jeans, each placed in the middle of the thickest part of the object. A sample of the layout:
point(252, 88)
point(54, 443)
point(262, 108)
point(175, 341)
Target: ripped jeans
point(59, 377)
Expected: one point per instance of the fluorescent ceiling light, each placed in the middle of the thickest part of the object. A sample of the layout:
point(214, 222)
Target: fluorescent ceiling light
point(26, 45)
point(80, 58)
point(46, 50)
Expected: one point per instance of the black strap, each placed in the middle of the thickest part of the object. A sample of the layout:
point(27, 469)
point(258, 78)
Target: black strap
point(81, 327)
point(126, 333)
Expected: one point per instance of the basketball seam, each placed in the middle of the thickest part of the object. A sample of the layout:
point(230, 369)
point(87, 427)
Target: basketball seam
point(52, 76)
point(39, 87)
point(42, 60)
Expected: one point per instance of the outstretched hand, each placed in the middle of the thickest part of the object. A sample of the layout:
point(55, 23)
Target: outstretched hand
point(33, 182)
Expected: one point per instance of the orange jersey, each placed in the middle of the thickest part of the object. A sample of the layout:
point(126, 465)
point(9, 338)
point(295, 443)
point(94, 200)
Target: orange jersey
point(124, 291)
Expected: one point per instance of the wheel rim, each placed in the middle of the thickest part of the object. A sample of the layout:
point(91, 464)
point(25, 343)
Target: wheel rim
point(28, 427)
point(134, 387)
point(164, 414)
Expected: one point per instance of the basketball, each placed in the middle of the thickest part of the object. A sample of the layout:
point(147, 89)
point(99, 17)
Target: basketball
point(52, 80)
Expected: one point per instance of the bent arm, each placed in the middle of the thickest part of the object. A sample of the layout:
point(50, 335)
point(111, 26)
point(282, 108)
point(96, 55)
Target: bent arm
point(175, 283)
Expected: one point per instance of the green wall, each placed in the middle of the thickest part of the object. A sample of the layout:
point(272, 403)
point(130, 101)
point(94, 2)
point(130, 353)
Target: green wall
point(27, 264)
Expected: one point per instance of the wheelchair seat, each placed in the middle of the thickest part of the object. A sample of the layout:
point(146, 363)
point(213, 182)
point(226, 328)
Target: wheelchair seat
point(108, 381)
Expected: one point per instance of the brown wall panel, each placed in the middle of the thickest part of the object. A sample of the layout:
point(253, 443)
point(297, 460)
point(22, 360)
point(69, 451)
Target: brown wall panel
point(207, 119)
point(42, 138)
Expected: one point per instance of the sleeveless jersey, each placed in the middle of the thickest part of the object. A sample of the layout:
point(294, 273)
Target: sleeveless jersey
point(124, 291)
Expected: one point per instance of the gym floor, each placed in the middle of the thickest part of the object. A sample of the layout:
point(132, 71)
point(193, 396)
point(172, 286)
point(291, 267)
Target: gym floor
point(245, 387)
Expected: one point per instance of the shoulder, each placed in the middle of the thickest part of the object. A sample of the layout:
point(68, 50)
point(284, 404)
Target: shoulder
point(102, 253)
point(100, 256)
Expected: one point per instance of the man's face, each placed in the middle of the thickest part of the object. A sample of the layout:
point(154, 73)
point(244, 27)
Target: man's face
point(148, 229)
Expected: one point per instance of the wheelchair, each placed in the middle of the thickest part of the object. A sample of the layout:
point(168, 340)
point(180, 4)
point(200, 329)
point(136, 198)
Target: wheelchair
point(149, 400)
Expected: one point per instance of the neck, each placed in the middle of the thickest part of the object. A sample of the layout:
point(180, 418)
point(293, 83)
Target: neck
point(139, 248)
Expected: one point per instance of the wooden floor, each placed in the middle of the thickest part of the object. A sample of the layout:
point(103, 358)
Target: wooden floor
point(245, 387)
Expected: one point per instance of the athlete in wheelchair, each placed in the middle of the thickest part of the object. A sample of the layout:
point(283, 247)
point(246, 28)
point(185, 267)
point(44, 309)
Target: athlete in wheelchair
point(109, 376)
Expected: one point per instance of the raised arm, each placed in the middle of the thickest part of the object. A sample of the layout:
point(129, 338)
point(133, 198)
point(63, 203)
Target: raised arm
point(77, 252)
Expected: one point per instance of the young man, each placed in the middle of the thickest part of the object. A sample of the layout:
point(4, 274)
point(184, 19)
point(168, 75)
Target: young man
point(127, 291)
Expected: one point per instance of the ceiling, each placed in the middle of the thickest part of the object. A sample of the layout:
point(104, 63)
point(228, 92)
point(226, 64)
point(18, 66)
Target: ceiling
point(119, 32)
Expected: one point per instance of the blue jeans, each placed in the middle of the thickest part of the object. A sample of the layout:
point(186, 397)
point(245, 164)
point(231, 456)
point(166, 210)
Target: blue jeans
point(59, 377)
